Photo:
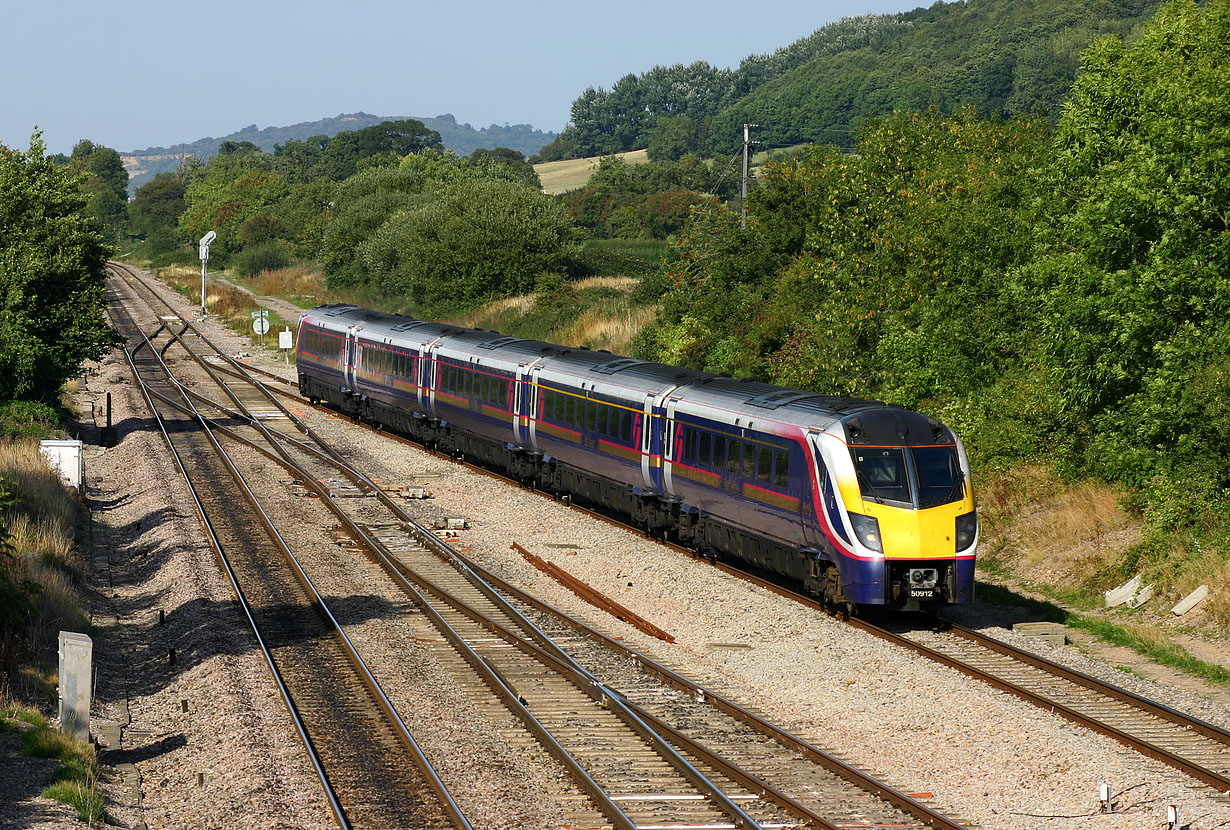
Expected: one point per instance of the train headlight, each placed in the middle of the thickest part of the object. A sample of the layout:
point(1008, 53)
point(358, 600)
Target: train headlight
point(867, 529)
point(967, 529)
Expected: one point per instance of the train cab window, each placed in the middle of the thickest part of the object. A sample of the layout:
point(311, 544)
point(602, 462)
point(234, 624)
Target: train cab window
point(940, 479)
point(882, 474)
point(781, 469)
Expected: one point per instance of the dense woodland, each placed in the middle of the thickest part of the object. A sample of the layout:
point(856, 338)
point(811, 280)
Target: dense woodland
point(1017, 58)
point(1039, 256)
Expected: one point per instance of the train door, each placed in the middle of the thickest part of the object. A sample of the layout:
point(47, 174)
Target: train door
point(533, 394)
point(431, 372)
point(811, 495)
point(522, 409)
point(351, 357)
point(652, 440)
point(422, 377)
point(668, 445)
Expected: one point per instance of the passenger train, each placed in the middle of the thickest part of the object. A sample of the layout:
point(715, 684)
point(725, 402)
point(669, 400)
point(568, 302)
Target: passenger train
point(859, 502)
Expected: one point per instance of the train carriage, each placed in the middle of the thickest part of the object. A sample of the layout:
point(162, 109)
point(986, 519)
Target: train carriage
point(860, 502)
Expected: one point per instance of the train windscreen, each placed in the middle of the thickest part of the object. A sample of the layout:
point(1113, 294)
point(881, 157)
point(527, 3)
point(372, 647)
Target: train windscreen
point(885, 475)
point(940, 480)
point(882, 474)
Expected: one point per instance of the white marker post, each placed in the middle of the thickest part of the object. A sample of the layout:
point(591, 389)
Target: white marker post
point(205, 240)
point(286, 342)
point(260, 323)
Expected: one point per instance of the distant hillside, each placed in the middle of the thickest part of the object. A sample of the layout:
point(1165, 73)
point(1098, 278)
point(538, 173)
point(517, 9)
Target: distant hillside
point(463, 139)
point(1007, 56)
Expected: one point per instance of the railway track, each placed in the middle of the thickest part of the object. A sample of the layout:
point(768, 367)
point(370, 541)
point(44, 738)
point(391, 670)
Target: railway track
point(648, 747)
point(370, 769)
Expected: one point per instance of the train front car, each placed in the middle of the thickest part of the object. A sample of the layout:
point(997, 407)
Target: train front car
point(899, 510)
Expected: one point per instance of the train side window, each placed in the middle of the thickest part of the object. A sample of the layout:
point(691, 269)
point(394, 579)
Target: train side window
point(570, 409)
point(764, 467)
point(625, 424)
point(591, 410)
point(604, 413)
point(719, 451)
point(732, 456)
point(705, 449)
point(781, 469)
point(749, 461)
point(689, 445)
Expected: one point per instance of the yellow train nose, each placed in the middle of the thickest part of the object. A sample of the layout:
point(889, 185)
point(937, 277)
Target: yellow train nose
point(919, 534)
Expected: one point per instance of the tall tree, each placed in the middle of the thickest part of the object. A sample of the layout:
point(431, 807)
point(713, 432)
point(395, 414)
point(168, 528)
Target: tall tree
point(105, 183)
point(52, 261)
point(1137, 279)
point(156, 209)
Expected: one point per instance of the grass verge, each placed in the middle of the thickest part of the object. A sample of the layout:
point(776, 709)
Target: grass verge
point(75, 781)
point(1151, 644)
point(1141, 639)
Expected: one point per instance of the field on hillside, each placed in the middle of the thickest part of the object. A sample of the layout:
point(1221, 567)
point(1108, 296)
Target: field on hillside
point(569, 174)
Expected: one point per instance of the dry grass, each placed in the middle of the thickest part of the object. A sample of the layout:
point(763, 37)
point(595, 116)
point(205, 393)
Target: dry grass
point(302, 286)
point(498, 309)
point(617, 283)
point(42, 522)
point(562, 176)
point(1204, 567)
point(1057, 533)
point(598, 329)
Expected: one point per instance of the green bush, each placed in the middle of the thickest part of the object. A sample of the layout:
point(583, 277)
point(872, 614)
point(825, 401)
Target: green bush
point(28, 419)
point(266, 256)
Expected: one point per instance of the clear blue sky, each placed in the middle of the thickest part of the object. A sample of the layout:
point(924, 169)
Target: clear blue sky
point(136, 73)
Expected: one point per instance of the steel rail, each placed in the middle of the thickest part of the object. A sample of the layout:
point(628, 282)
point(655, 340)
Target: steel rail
point(432, 778)
point(1152, 707)
point(331, 796)
point(835, 765)
point(582, 678)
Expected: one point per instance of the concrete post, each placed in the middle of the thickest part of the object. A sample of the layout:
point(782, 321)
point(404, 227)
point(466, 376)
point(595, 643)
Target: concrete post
point(76, 682)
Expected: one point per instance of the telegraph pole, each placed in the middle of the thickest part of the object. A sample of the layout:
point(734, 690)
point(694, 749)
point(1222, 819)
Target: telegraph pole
point(747, 143)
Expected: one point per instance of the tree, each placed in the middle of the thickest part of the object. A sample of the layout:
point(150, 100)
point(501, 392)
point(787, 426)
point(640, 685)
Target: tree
point(105, 183)
point(1135, 279)
point(507, 161)
point(52, 261)
point(471, 241)
point(395, 138)
point(155, 211)
point(672, 138)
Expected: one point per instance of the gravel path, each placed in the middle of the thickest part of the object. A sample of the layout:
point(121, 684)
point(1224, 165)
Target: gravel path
point(989, 758)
